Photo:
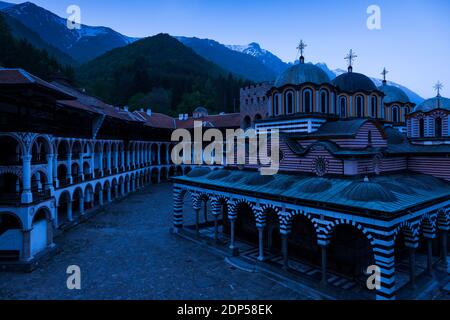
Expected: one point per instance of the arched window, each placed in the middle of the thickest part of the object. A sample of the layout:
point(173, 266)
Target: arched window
point(421, 127)
point(324, 101)
point(374, 107)
point(276, 105)
point(343, 106)
point(438, 127)
point(359, 106)
point(307, 101)
point(289, 98)
point(395, 116)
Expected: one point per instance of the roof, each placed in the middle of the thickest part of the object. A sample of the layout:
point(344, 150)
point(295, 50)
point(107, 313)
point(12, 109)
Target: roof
point(302, 73)
point(227, 120)
point(337, 129)
point(332, 148)
point(353, 82)
point(393, 94)
point(157, 120)
point(382, 196)
point(19, 77)
point(433, 103)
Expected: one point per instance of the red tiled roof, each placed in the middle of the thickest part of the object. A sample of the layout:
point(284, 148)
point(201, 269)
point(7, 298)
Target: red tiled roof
point(157, 120)
point(228, 120)
point(19, 77)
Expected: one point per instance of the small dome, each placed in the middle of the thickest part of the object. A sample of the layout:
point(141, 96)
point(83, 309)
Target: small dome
point(199, 172)
point(315, 185)
point(393, 94)
point(368, 191)
point(353, 82)
point(433, 103)
point(302, 73)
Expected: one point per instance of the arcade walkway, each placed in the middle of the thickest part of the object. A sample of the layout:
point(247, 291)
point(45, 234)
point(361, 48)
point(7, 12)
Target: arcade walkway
point(127, 252)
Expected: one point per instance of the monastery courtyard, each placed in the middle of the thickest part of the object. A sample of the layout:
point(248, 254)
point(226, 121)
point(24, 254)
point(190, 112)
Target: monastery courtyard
point(127, 252)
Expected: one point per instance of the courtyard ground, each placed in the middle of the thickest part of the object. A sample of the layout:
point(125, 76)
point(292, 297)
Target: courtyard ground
point(127, 252)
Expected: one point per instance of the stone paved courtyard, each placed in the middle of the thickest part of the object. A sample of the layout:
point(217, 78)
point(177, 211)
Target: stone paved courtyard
point(127, 252)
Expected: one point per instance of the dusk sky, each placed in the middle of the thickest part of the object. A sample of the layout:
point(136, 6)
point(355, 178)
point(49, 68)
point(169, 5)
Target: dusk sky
point(413, 42)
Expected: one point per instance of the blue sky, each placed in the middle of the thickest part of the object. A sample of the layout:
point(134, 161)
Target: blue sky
point(412, 43)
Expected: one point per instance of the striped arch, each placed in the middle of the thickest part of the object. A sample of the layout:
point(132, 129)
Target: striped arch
point(287, 218)
point(428, 226)
point(410, 232)
point(216, 203)
point(329, 230)
point(232, 214)
point(443, 219)
point(261, 214)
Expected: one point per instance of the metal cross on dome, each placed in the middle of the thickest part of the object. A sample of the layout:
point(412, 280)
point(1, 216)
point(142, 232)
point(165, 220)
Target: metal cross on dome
point(438, 87)
point(351, 57)
point(384, 73)
point(301, 47)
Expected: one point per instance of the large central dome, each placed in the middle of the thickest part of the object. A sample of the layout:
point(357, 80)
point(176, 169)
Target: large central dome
point(302, 73)
point(353, 82)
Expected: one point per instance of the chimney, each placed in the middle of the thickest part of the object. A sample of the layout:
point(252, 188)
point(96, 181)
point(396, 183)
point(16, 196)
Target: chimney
point(149, 112)
point(186, 116)
point(125, 108)
point(142, 109)
point(180, 117)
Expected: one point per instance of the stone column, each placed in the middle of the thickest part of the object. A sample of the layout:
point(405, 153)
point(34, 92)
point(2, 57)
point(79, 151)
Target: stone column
point(284, 250)
point(197, 221)
point(81, 205)
point(167, 154)
point(55, 171)
point(108, 194)
point(324, 264)
point(49, 233)
point(116, 190)
point(159, 155)
point(122, 156)
point(26, 245)
point(69, 211)
point(430, 256)
point(412, 267)
point(27, 196)
point(49, 185)
point(261, 243)
point(100, 198)
point(108, 162)
point(116, 161)
point(444, 236)
point(69, 168)
point(122, 188)
point(232, 235)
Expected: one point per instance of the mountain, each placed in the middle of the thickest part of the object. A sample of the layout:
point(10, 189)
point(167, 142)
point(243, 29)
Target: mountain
point(4, 5)
point(19, 31)
point(19, 53)
point(162, 73)
point(81, 44)
point(414, 97)
point(240, 64)
point(270, 60)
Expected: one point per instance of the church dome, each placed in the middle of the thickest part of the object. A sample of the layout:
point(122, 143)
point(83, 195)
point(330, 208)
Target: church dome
point(302, 73)
point(433, 103)
point(353, 82)
point(368, 191)
point(393, 94)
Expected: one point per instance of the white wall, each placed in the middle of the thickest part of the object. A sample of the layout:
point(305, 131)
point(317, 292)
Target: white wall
point(38, 237)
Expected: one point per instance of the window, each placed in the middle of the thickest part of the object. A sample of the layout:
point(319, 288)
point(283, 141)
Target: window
point(289, 102)
point(343, 106)
point(438, 127)
point(421, 127)
point(374, 107)
point(395, 116)
point(359, 106)
point(307, 100)
point(324, 101)
point(276, 105)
